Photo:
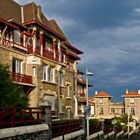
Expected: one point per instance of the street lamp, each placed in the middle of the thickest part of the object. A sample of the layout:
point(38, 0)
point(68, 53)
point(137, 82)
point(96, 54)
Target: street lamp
point(128, 121)
point(87, 105)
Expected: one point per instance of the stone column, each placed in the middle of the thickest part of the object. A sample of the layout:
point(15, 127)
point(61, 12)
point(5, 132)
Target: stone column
point(41, 42)
point(34, 39)
point(48, 120)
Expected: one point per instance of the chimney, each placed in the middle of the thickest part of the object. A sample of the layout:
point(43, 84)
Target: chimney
point(96, 92)
point(39, 12)
point(126, 91)
point(22, 14)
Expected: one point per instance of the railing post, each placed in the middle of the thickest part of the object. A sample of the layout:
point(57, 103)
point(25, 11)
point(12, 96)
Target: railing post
point(48, 119)
point(12, 117)
point(0, 119)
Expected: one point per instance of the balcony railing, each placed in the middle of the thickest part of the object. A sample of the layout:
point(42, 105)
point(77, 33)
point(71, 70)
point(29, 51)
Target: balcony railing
point(21, 78)
point(65, 127)
point(30, 49)
point(48, 54)
point(16, 116)
point(37, 50)
point(8, 43)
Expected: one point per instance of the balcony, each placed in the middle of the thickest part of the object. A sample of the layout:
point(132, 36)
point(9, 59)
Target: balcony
point(37, 50)
point(30, 49)
point(48, 54)
point(11, 44)
point(22, 78)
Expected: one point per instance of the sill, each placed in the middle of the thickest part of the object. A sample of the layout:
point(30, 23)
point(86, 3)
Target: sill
point(61, 112)
point(70, 98)
point(44, 81)
point(62, 86)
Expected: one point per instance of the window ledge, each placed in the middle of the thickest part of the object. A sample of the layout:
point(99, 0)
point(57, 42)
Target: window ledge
point(44, 81)
point(62, 86)
point(70, 98)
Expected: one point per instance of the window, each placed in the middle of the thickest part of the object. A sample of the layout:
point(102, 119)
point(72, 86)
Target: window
point(132, 111)
point(44, 72)
point(101, 101)
point(51, 74)
point(123, 111)
point(37, 42)
point(113, 110)
point(49, 45)
point(101, 111)
point(132, 101)
point(68, 89)
point(17, 36)
point(16, 65)
point(34, 71)
point(61, 78)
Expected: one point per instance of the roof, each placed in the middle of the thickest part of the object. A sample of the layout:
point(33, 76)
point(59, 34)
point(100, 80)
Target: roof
point(80, 72)
point(132, 94)
point(83, 82)
point(9, 24)
point(72, 47)
point(31, 14)
point(10, 9)
point(45, 27)
point(102, 94)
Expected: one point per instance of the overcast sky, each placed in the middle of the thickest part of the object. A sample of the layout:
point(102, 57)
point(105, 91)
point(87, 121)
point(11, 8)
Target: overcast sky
point(108, 32)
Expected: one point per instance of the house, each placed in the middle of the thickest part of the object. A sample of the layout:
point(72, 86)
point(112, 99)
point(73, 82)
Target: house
point(40, 57)
point(104, 107)
point(81, 95)
point(132, 103)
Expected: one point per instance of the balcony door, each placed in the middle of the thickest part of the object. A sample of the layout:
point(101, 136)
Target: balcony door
point(16, 66)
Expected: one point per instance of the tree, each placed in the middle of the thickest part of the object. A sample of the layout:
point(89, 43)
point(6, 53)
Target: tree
point(123, 119)
point(10, 93)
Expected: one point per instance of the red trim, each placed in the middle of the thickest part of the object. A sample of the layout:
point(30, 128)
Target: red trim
point(27, 116)
point(45, 27)
point(68, 44)
point(9, 24)
point(73, 55)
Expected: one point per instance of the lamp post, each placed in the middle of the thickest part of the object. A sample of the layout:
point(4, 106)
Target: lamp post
point(128, 121)
point(87, 104)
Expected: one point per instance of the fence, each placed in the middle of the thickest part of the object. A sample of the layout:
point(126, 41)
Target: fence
point(16, 116)
point(65, 127)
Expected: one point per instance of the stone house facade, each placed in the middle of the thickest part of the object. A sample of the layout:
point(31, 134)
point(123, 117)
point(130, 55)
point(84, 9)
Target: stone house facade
point(132, 104)
point(40, 57)
point(105, 108)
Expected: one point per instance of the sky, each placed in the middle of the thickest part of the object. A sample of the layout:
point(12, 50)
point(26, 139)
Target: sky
point(108, 32)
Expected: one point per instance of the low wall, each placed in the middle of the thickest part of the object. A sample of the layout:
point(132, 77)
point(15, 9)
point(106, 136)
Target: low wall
point(74, 135)
point(96, 135)
point(37, 132)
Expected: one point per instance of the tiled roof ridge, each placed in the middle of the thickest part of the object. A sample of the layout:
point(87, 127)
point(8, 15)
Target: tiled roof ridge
point(133, 91)
point(103, 93)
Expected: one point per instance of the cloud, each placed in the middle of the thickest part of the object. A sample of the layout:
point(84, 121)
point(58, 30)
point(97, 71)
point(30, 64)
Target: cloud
point(108, 34)
point(65, 22)
point(137, 11)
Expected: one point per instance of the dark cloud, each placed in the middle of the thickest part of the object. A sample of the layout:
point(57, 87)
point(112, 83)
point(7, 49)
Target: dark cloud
point(108, 33)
